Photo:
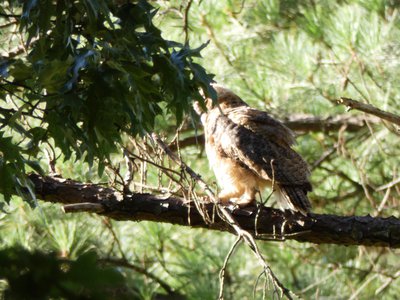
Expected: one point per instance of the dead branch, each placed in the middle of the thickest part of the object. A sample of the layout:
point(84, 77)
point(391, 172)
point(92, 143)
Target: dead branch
point(272, 224)
point(370, 109)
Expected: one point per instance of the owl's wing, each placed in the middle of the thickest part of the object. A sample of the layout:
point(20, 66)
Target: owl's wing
point(261, 123)
point(265, 152)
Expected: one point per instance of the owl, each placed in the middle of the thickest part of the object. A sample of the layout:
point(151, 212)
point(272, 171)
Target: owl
point(249, 150)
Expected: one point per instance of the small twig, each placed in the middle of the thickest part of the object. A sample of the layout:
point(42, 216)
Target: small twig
point(108, 224)
point(388, 185)
point(118, 179)
point(129, 166)
point(140, 270)
point(8, 24)
point(9, 15)
point(369, 109)
point(222, 272)
point(344, 176)
point(186, 21)
point(387, 283)
point(325, 156)
point(362, 287)
point(317, 283)
point(383, 203)
point(51, 157)
point(152, 163)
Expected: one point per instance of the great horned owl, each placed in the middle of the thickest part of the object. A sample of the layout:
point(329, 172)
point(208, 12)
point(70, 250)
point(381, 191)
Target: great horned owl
point(249, 150)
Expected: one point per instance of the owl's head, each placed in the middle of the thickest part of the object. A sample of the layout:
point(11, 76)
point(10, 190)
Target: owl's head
point(226, 98)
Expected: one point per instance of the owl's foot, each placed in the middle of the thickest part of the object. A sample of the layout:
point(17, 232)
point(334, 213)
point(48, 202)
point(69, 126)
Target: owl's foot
point(242, 202)
point(239, 207)
point(231, 198)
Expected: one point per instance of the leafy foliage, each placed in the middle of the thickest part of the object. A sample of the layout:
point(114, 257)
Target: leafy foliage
point(93, 70)
point(45, 276)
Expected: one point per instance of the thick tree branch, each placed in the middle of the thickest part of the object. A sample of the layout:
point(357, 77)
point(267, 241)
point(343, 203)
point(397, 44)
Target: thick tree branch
point(264, 223)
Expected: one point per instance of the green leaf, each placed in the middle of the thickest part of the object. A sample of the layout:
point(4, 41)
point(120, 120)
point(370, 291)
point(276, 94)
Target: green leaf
point(35, 166)
point(6, 180)
point(20, 70)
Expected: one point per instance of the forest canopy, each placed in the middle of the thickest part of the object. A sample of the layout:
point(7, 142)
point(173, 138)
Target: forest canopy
point(93, 92)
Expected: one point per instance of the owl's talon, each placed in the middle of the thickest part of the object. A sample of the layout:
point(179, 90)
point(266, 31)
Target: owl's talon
point(241, 203)
point(232, 204)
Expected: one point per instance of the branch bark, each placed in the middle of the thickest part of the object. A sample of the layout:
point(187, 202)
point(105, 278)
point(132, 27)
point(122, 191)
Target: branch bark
point(263, 223)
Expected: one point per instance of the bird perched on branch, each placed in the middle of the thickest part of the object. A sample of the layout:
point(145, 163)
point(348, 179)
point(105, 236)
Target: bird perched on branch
point(249, 150)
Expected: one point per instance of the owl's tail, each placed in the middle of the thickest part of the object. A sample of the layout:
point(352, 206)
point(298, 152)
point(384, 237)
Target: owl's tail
point(294, 198)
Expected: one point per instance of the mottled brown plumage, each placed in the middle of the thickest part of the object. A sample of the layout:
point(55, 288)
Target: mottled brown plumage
point(249, 150)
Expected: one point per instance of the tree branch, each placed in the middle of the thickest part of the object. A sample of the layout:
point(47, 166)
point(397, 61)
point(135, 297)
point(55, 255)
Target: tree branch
point(271, 224)
point(369, 109)
point(306, 123)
